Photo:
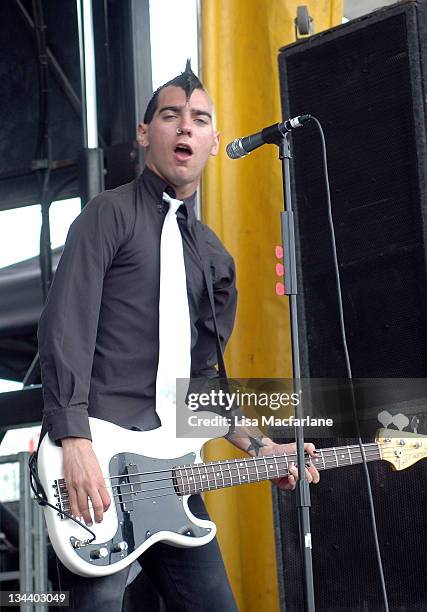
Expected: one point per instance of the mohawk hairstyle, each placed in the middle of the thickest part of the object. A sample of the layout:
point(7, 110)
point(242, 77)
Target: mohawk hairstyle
point(187, 81)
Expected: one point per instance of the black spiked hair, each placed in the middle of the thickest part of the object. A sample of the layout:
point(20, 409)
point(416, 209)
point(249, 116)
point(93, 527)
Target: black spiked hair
point(187, 80)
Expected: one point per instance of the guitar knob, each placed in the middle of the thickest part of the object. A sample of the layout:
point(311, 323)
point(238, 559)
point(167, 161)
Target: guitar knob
point(99, 553)
point(119, 547)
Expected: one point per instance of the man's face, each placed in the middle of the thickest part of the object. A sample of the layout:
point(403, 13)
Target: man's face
point(180, 138)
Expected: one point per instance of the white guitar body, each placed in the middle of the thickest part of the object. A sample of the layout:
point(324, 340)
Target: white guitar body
point(150, 476)
point(145, 506)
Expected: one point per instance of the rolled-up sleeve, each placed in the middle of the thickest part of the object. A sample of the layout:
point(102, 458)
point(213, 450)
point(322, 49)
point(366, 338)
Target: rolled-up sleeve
point(68, 324)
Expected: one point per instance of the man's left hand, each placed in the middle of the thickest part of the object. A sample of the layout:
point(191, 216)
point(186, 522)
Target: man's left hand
point(288, 483)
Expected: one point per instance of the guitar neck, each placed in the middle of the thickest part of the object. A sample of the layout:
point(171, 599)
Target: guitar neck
point(199, 477)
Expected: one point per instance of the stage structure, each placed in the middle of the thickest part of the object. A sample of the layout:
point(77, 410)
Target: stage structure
point(123, 78)
point(43, 136)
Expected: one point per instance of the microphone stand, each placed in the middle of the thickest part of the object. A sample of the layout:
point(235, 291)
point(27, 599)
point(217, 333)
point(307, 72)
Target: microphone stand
point(289, 260)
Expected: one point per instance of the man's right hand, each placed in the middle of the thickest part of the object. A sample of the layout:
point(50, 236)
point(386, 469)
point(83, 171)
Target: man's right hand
point(84, 479)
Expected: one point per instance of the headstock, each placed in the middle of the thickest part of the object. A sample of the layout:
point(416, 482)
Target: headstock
point(401, 448)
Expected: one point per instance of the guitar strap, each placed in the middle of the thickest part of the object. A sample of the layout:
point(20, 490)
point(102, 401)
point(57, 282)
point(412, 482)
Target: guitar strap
point(201, 244)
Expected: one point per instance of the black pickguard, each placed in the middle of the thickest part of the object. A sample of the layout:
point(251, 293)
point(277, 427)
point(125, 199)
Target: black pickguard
point(146, 503)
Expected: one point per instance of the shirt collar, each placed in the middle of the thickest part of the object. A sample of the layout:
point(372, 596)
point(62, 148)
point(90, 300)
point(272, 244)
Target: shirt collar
point(155, 186)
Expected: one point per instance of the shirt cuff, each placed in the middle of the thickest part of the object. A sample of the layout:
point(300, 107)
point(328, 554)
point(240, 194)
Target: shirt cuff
point(72, 421)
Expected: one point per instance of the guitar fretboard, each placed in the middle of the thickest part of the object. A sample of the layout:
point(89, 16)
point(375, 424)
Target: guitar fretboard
point(199, 477)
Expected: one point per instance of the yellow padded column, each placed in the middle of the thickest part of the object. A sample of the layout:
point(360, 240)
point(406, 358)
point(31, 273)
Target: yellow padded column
point(241, 202)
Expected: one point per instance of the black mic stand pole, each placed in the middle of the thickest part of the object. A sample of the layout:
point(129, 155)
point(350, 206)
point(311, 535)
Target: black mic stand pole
point(289, 261)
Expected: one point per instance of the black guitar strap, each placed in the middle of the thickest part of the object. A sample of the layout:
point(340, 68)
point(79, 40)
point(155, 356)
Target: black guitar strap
point(201, 244)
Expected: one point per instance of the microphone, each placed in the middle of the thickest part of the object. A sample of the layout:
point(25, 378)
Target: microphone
point(273, 134)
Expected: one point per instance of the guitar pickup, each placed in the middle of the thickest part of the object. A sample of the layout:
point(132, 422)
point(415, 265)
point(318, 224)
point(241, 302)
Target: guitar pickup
point(129, 486)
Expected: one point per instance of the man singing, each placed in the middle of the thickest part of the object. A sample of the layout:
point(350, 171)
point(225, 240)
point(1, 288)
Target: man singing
point(99, 336)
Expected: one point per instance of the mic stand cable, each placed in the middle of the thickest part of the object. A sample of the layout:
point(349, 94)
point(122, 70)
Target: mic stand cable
point(348, 367)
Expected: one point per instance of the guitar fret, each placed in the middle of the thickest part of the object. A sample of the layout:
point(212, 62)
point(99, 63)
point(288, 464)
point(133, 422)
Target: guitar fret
point(218, 472)
point(190, 481)
point(199, 477)
point(237, 473)
point(231, 473)
point(230, 464)
point(193, 478)
point(336, 456)
point(218, 469)
point(211, 481)
point(187, 479)
point(180, 480)
point(247, 470)
point(240, 465)
point(277, 467)
point(265, 466)
point(223, 473)
point(208, 477)
point(203, 478)
point(238, 470)
point(180, 484)
point(287, 465)
point(256, 469)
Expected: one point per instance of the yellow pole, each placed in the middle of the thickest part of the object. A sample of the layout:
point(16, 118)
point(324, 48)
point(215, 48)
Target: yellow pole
point(241, 202)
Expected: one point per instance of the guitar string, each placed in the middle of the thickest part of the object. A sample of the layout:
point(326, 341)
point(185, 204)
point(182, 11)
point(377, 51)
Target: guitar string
point(318, 453)
point(191, 492)
point(248, 466)
point(249, 463)
point(234, 464)
point(196, 482)
point(223, 486)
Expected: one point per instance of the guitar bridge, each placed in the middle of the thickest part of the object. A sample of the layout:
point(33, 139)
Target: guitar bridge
point(61, 494)
point(76, 544)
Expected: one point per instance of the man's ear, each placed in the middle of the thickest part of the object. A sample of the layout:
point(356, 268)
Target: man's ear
point(142, 135)
point(215, 146)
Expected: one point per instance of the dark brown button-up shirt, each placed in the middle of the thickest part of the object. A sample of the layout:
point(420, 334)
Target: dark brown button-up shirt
point(98, 333)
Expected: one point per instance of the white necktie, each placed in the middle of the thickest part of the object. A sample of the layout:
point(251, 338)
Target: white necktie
point(174, 315)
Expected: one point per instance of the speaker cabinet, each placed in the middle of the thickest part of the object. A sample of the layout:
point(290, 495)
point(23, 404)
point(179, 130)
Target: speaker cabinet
point(365, 81)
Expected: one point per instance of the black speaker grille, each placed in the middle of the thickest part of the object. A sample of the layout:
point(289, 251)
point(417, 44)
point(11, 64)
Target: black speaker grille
point(361, 87)
point(366, 83)
point(346, 576)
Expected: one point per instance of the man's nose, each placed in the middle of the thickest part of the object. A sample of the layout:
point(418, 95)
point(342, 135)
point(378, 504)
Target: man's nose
point(185, 125)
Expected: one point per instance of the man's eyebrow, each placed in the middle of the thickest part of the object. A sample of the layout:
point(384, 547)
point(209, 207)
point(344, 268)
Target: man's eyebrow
point(174, 109)
point(178, 109)
point(196, 111)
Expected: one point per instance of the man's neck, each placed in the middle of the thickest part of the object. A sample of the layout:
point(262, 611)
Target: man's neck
point(182, 192)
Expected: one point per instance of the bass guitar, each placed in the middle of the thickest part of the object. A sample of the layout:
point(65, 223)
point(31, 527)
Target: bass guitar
point(150, 476)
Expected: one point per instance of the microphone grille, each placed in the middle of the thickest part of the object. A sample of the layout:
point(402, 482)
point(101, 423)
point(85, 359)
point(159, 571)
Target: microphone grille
point(235, 149)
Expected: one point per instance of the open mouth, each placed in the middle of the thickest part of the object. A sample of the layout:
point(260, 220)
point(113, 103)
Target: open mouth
point(183, 151)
